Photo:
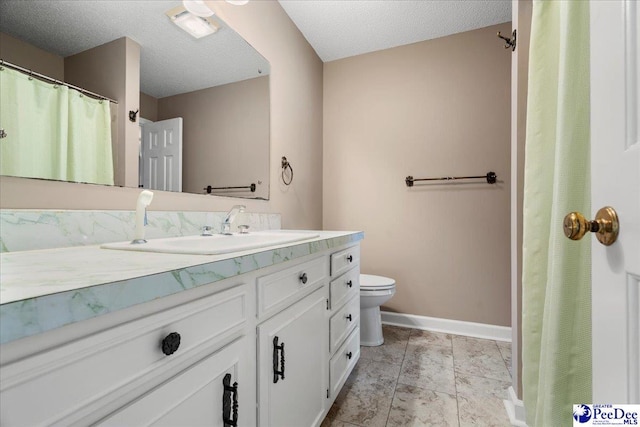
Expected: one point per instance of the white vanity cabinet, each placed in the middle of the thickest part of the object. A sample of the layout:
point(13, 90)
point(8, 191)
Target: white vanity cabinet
point(344, 317)
point(205, 394)
point(307, 350)
point(293, 344)
point(165, 365)
point(270, 347)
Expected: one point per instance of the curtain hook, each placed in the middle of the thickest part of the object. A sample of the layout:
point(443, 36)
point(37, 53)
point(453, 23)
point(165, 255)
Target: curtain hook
point(30, 74)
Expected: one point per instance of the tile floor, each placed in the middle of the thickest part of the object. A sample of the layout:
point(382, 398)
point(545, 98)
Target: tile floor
point(420, 378)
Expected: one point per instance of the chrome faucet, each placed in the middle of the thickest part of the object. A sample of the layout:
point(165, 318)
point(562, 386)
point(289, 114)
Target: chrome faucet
point(226, 224)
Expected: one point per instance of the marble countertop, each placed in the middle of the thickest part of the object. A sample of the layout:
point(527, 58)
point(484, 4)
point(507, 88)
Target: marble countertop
point(45, 289)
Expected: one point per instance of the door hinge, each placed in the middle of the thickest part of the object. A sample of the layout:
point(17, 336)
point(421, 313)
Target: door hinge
point(327, 303)
point(327, 393)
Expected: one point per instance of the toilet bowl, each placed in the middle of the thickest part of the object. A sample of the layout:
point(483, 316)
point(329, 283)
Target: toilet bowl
point(374, 291)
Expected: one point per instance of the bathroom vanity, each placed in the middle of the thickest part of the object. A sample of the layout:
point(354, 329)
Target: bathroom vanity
point(261, 337)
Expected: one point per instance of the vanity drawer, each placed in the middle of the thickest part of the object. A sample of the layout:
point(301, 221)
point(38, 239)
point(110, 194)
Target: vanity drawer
point(343, 322)
point(344, 287)
point(281, 289)
point(97, 370)
point(343, 361)
point(344, 260)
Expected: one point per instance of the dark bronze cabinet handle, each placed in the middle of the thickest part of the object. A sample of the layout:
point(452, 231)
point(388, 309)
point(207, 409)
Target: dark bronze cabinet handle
point(350, 258)
point(303, 278)
point(349, 355)
point(348, 316)
point(170, 343)
point(350, 283)
point(278, 365)
point(228, 407)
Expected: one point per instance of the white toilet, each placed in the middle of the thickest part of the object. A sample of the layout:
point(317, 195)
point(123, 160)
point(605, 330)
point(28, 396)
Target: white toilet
point(374, 291)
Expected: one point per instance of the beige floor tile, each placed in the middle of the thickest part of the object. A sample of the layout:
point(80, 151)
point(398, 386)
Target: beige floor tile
point(439, 355)
point(482, 411)
point(421, 378)
point(414, 406)
point(432, 338)
point(429, 367)
point(505, 351)
point(374, 371)
point(362, 404)
point(477, 357)
point(392, 351)
point(366, 396)
point(389, 354)
point(393, 334)
point(468, 385)
point(328, 422)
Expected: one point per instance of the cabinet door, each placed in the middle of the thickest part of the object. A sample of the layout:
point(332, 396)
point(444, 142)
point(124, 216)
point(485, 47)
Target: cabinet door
point(195, 396)
point(297, 397)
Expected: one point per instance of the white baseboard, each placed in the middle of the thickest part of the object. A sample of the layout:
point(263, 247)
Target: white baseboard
point(457, 327)
point(515, 410)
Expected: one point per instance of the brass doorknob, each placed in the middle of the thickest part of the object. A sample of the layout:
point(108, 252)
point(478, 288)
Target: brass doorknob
point(605, 225)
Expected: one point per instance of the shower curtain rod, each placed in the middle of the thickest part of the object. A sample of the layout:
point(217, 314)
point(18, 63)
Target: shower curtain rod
point(48, 79)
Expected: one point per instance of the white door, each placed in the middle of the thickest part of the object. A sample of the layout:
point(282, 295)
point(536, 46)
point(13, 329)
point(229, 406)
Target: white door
point(615, 181)
point(162, 155)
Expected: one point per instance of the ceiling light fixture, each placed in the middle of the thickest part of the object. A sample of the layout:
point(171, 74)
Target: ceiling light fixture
point(238, 2)
point(196, 26)
point(197, 7)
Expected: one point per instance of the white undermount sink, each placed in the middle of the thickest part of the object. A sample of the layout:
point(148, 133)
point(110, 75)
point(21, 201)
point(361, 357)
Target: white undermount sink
point(215, 244)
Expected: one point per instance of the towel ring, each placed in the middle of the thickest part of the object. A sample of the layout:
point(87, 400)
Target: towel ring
point(286, 165)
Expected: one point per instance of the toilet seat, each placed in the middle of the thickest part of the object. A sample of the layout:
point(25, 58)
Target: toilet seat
point(369, 282)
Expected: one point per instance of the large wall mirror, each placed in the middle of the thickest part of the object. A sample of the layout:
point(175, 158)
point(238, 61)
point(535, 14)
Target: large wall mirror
point(199, 104)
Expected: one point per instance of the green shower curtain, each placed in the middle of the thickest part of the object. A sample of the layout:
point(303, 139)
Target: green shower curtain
point(31, 112)
point(556, 282)
point(89, 157)
point(53, 132)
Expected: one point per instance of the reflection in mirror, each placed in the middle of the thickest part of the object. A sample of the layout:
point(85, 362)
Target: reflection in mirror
point(203, 120)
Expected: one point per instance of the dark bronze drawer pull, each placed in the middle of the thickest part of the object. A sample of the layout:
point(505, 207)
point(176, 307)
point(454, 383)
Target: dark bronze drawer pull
point(227, 405)
point(170, 343)
point(278, 365)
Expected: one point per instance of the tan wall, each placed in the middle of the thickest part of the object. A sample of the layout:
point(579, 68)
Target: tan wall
point(113, 70)
point(225, 135)
point(435, 108)
point(148, 107)
point(296, 132)
point(28, 56)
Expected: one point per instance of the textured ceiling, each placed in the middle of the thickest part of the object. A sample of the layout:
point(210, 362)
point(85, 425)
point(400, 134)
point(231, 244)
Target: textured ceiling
point(171, 61)
point(342, 28)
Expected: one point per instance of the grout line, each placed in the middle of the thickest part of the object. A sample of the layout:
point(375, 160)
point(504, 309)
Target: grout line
point(455, 381)
point(393, 396)
point(505, 362)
